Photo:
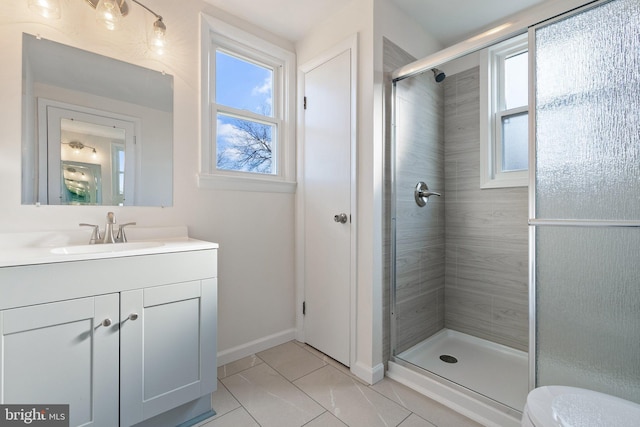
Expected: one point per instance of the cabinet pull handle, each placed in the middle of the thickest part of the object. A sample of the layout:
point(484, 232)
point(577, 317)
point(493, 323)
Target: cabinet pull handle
point(133, 316)
point(106, 322)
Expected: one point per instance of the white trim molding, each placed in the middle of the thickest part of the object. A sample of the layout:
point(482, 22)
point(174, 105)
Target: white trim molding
point(256, 346)
point(208, 176)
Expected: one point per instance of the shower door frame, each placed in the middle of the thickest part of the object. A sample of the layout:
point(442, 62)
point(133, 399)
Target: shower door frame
point(520, 25)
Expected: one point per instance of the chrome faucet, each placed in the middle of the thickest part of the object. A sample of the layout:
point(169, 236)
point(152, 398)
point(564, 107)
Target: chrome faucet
point(121, 237)
point(108, 236)
point(108, 229)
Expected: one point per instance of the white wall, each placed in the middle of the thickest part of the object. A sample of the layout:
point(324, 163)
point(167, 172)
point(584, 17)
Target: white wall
point(255, 231)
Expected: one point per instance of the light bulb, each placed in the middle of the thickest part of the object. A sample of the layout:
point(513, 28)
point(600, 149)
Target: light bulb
point(47, 8)
point(158, 39)
point(108, 13)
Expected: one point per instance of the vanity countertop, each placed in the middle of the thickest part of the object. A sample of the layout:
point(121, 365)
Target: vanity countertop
point(32, 248)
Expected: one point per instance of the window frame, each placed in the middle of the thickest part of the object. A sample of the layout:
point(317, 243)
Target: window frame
point(492, 111)
point(218, 35)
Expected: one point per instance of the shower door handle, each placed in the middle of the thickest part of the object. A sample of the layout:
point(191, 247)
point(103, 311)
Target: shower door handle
point(422, 193)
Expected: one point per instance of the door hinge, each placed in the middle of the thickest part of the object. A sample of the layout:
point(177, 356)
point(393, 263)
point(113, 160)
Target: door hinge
point(304, 308)
point(304, 103)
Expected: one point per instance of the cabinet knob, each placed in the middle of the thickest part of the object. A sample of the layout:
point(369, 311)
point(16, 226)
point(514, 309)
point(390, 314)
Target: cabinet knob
point(106, 322)
point(133, 316)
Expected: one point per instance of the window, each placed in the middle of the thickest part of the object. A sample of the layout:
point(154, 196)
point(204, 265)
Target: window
point(118, 170)
point(248, 99)
point(504, 114)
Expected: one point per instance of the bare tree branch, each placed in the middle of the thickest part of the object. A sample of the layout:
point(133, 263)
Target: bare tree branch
point(249, 149)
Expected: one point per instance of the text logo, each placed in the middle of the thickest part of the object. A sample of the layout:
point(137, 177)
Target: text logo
point(34, 415)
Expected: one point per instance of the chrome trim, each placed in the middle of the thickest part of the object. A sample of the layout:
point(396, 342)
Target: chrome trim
point(583, 223)
point(517, 25)
point(393, 336)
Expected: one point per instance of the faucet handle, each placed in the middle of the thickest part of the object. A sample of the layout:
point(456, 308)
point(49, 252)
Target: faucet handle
point(111, 218)
point(121, 237)
point(95, 235)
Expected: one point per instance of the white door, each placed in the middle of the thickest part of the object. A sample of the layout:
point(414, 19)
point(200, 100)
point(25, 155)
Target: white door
point(327, 193)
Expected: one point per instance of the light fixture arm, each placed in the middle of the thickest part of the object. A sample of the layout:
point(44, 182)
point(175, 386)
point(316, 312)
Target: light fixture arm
point(77, 145)
point(149, 10)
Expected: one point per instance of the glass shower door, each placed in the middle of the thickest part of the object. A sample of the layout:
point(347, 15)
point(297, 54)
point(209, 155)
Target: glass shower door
point(586, 204)
point(419, 246)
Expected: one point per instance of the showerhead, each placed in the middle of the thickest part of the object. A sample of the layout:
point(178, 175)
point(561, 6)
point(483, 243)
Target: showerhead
point(438, 75)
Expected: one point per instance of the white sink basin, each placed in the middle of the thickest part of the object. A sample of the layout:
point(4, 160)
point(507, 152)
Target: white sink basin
point(104, 248)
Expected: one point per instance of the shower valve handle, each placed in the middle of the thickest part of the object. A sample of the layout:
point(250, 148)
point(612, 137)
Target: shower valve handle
point(422, 193)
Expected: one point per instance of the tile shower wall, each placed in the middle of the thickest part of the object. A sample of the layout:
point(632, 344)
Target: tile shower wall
point(486, 291)
point(420, 241)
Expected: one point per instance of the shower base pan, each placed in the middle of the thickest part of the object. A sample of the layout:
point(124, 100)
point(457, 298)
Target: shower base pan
point(450, 363)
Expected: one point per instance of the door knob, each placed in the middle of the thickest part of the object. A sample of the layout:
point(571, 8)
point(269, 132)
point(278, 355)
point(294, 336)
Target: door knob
point(341, 218)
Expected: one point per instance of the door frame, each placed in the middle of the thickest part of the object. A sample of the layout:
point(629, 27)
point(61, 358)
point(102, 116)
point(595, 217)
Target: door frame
point(49, 180)
point(350, 44)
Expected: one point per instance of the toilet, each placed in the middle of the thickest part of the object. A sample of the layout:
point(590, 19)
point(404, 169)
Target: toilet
point(552, 406)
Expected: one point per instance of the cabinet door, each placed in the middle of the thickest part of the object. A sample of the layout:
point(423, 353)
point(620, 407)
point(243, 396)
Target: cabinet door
point(168, 353)
point(59, 353)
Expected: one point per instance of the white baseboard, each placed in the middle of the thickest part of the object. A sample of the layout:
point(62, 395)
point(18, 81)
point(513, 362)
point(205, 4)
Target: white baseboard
point(253, 347)
point(367, 374)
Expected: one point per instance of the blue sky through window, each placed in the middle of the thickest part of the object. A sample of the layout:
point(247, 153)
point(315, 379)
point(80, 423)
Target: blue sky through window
point(242, 143)
point(243, 85)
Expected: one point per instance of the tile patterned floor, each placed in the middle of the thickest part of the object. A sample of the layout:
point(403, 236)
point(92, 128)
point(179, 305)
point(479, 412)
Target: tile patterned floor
point(294, 385)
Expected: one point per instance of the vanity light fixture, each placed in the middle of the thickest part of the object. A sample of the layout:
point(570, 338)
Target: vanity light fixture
point(77, 145)
point(110, 12)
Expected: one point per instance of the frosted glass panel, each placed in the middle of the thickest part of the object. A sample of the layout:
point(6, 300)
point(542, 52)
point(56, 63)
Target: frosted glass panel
point(588, 309)
point(587, 114)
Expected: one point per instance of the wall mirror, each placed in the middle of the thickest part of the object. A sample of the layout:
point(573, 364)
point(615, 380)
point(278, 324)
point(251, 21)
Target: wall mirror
point(95, 130)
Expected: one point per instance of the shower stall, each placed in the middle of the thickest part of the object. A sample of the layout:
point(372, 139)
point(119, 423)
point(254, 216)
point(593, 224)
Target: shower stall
point(494, 291)
point(459, 300)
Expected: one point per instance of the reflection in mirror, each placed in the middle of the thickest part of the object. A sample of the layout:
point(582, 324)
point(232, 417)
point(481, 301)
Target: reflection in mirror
point(101, 149)
point(81, 183)
point(93, 137)
point(83, 116)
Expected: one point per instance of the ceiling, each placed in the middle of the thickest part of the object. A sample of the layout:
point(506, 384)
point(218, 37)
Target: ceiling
point(449, 21)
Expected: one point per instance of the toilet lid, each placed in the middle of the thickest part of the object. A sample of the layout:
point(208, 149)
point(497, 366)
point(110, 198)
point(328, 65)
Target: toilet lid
point(576, 407)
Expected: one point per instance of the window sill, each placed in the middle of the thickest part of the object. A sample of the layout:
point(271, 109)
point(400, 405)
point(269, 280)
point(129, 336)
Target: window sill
point(242, 183)
point(518, 179)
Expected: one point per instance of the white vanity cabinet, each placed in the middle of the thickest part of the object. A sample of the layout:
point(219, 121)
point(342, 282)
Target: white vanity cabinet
point(165, 350)
point(58, 353)
point(119, 349)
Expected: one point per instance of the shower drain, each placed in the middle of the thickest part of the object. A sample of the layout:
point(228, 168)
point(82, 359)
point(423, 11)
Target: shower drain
point(448, 359)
